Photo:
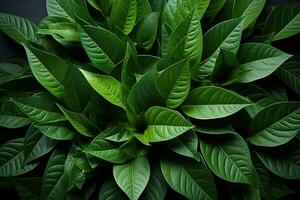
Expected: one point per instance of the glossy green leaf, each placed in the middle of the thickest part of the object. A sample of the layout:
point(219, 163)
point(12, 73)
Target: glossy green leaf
point(12, 159)
point(174, 83)
point(185, 145)
point(225, 35)
point(190, 178)
point(19, 29)
point(133, 177)
point(283, 162)
point(228, 157)
point(103, 47)
point(56, 131)
point(54, 182)
point(108, 87)
point(105, 150)
point(111, 191)
point(275, 125)
point(124, 14)
point(249, 9)
point(12, 121)
point(39, 108)
point(165, 124)
point(157, 187)
point(50, 70)
point(117, 133)
point(211, 102)
point(147, 30)
point(259, 60)
point(36, 144)
point(212, 10)
point(289, 73)
point(80, 122)
point(284, 21)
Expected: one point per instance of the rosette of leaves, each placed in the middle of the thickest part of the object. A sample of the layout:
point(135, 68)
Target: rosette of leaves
point(138, 99)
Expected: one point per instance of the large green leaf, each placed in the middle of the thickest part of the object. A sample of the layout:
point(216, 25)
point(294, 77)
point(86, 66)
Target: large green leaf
point(275, 125)
point(211, 102)
point(133, 177)
point(174, 83)
point(56, 131)
point(147, 30)
point(284, 21)
point(124, 14)
point(80, 122)
point(54, 182)
point(249, 9)
point(117, 133)
point(289, 73)
point(108, 87)
point(111, 191)
point(225, 35)
point(186, 145)
point(186, 40)
point(212, 10)
point(39, 108)
point(144, 93)
point(12, 159)
point(157, 186)
point(19, 29)
point(259, 60)
point(105, 150)
point(190, 178)
point(103, 47)
point(228, 157)
point(50, 70)
point(36, 144)
point(165, 124)
point(283, 162)
point(13, 121)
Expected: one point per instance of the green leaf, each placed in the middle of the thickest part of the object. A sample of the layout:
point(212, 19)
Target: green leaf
point(117, 133)
point(225, 35)
point(211, 102)
point(105, 150)
point(283, 161)
point(124, 14)
point(133, 177)
point(12, 159)
point(249, 9)
point(186, 39)
point(103, 47)
point(103, 6)
point(190, 178)
point(289, 73)
point(215, 127)
point(74, 175)
point(80, 122)
point(111, 191)
point(284, 21)
point(144, 93)
point(56, 131)
point(28, 188)
point(108, 87)
point(213, 9)
point(185, 145)
point(165, 124)
point(77, 91)
point(272, 187)
point(36, 144)
point(147, 30)
point(11, 121)
point(157, 187)
point(228, 157)
point(19, 29)
point(174, 83)
point(50, 70)
point(54, 184)
point(259, 60)
point(39, 108)
point(275, 125)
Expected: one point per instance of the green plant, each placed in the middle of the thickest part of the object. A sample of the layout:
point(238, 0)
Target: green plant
point(129, 99)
